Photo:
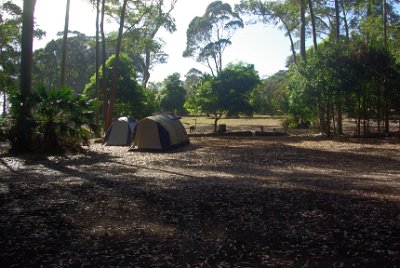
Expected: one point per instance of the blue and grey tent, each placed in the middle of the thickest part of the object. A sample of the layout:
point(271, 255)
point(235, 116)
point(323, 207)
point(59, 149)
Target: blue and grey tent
point(121, 132)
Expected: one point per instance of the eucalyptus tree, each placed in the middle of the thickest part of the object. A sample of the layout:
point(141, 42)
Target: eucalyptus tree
point(271, 95)
point(378, 24)
point(313, 23)
point(209, 35)
point(173, 95)
point(114, 75)
point(227, 94)
point(143, 44)
point(192, 80)
point(282, 14)
point(302, 5)
point(147, 17)
point(79, 62)
point(64, 48)
point(23, 141)
point(10, 24)
point(130, 97)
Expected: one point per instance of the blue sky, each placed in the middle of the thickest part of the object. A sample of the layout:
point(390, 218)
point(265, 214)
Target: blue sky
point(261, 45)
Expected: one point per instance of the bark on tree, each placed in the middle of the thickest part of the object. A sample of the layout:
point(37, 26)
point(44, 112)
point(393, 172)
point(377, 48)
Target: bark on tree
point(65, 44)
point(103, 64)
point(385, 82)
point(314, 31)
point(339, 95)
point(303, 30)
point(23, 141)
point(114, 76)
point(97, 57)
point(345, 22)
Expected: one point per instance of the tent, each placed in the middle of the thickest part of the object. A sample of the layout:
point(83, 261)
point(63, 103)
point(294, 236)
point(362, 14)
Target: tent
point(121, 132)
point(160, 132)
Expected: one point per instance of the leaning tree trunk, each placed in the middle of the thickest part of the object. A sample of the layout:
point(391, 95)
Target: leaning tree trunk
point(292, 46)
point(23, 140)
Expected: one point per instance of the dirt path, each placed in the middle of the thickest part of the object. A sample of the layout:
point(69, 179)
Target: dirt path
point(220, 202)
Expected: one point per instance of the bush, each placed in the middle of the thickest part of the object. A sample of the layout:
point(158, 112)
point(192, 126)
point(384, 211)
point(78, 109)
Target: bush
point(60, 117)
point(294, 122)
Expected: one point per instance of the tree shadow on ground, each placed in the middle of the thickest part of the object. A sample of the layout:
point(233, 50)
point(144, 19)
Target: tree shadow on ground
point(237, 207)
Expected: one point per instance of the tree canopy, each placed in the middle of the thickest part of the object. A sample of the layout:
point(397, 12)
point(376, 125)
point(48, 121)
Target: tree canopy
point(210, 34)
point(173, 95)
point(226, 94)
point(131, 98)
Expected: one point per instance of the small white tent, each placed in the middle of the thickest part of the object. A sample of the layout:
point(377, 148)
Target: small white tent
point(121, 132)
point(160, 132)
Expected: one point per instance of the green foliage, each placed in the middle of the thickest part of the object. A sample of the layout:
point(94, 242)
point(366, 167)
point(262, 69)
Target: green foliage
point(61, 116)
point(236, 82)
point(131, 98)
point(173, 95)
point(271, 96)
point(10, 25)
point(80, 63)
point(209, 35)
point(61, 119)
point(228, 93)
point(192, 80)
point(348, 78)
point(153, 92)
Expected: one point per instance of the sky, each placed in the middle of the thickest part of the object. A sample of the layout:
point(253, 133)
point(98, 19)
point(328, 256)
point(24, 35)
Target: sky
point(262, 45)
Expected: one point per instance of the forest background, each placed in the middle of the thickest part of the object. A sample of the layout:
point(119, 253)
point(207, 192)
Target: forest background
point(348, 68)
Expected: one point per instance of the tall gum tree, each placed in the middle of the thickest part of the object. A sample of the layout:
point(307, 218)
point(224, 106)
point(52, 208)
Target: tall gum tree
point(65, 44)
point(10, 25)
point(114, 75)
point(209, 35)
point(282, 14)
point(23, 140)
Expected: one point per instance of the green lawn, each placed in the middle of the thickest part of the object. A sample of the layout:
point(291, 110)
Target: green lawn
point(254, 123)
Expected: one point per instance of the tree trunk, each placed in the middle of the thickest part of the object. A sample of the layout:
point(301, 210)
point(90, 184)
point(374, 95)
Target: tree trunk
point(4, 104)
point(384, 15)
point(303, 30)
point(339, 93)
point(359, 112)
point(291, 41)
point(64, 49)
point(97, 58)
point(314, 31)
point(23, 140)
point(386, 76)
point(328, 119)
point(346, 24)
point(369, 12)
point(103, 64)
point(115, 69)
point(337, 20)
point(146, 67)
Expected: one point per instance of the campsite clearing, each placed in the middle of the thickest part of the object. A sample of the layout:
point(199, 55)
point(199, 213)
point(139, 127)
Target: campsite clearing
point(219, 202)
point(205, 124)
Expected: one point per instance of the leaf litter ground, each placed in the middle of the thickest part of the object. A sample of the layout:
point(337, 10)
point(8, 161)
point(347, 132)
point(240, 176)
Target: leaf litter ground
point(220, 202)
